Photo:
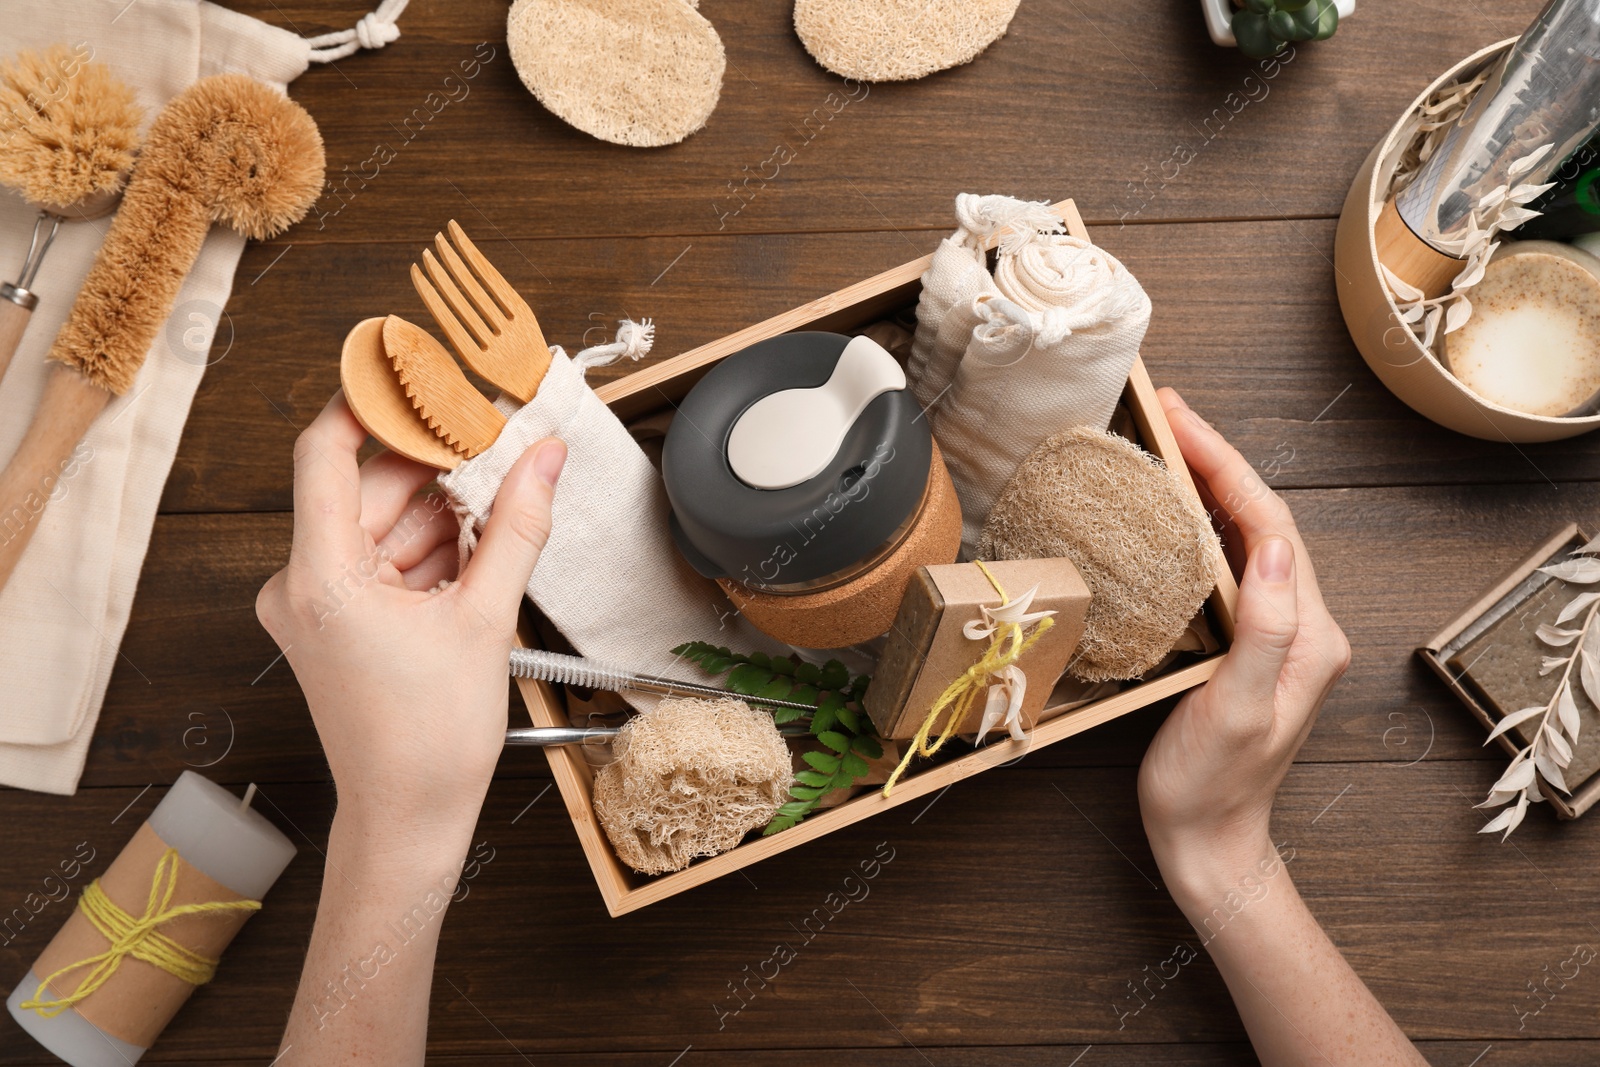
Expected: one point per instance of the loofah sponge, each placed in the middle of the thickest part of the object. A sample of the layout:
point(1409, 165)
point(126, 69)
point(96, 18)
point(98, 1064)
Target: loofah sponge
point(897, 40)
point(1142, 542)
point(68, 127)
point(633, 72)
point(691, 778)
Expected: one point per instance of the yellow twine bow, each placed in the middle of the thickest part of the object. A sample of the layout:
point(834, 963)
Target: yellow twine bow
point(138, 938)
point(1008, 643)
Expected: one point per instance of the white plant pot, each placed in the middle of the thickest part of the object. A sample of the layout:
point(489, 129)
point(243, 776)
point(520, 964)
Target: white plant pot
point(1219, 18)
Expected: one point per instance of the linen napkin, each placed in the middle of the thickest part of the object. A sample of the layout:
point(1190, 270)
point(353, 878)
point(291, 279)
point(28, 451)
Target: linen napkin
point(1004, 359)
point(64, 610)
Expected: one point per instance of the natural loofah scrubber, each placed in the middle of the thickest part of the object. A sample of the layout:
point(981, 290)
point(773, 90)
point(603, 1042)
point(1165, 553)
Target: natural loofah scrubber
point(633, 72)
point(71, 128)
point(897, 40)
point(691, 778)
point(1141, 540)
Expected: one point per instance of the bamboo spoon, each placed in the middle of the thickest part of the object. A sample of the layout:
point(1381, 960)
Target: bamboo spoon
point(380, 403)
point(227, 149)
point(461, 416)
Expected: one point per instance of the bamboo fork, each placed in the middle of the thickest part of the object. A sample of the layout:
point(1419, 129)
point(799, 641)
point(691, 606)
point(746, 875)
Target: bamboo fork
point(491, 328)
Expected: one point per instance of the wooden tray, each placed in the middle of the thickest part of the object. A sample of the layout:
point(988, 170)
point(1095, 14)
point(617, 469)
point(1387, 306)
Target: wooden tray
point(663, 384)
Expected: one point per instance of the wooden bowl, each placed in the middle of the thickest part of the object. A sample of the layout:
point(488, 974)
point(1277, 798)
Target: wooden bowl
point(1393, 352)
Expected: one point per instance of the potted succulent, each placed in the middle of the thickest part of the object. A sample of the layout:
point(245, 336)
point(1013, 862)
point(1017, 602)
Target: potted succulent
point(1261, 28)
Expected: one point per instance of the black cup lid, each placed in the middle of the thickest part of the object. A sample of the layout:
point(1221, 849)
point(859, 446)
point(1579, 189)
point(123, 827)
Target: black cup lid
point(806, 532)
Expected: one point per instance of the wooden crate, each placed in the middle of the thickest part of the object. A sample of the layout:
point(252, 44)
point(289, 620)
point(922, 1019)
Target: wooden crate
point(654, 388)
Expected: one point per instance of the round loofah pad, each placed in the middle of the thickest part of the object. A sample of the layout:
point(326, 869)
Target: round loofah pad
point(865, 606)
point(1140, 539)
point(691, 778)
point(897, 40)
point(633, 72)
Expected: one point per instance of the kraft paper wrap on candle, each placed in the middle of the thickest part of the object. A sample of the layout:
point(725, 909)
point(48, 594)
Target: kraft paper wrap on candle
point(139, 999)
point(174, 898)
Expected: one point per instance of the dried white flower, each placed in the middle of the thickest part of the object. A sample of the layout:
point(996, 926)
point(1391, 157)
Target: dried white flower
point(1550, 752)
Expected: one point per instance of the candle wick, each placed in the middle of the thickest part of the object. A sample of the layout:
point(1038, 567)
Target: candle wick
point(249, 795)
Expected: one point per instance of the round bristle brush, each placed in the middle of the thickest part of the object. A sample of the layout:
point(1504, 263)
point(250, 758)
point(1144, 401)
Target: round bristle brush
point(227, 149)
point(68, 133)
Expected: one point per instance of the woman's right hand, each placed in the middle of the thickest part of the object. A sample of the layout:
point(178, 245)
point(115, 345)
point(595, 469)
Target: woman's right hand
point(1208, 781)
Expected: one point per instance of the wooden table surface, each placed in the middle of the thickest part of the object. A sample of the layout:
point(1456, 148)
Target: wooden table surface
point(1019, 911)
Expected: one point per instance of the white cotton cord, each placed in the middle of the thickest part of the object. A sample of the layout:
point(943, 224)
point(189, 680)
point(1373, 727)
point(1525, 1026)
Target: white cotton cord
point(981, 217)
point(467, 539)
point(377, 28)
point(633, 342)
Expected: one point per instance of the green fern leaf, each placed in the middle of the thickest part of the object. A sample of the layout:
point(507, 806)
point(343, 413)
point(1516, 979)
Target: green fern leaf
point(776, 689)
point(748, 679)
point(867, 745)
point(825, 762)
point(834, 740)
point(833, 675)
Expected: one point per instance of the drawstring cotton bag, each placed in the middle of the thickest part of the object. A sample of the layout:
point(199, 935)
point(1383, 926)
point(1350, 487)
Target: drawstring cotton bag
point(66, 606)
point(609, 578)
point(1003, 360)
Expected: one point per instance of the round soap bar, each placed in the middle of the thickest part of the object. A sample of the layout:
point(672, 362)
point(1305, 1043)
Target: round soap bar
point(1532, 342)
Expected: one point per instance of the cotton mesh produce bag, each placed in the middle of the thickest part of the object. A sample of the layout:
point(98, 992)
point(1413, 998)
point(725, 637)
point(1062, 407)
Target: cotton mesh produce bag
point(609, 578)
point(1005, 358)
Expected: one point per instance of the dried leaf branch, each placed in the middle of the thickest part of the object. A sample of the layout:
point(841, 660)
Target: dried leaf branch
point(1499, 210)
point(1549, 754)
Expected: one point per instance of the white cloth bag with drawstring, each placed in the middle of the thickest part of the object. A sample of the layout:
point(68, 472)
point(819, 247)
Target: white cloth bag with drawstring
point(66, 606)
point(609, 578)
point(1004, 359)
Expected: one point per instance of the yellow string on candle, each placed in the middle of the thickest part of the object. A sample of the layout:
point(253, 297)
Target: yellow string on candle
point(137, 937)
point(960, 694)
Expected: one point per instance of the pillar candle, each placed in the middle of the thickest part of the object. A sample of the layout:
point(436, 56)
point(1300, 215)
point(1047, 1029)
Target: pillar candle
point(227, 851)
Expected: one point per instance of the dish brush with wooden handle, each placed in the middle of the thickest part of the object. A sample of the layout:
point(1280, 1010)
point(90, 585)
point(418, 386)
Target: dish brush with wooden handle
point(227, 149)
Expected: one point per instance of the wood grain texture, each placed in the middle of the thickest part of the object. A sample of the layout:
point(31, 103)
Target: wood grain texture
point(1020, 904)
point(1129, 107)
point(1072, 907)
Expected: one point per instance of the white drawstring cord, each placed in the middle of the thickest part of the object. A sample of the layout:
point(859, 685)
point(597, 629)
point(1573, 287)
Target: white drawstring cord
point(377, 28)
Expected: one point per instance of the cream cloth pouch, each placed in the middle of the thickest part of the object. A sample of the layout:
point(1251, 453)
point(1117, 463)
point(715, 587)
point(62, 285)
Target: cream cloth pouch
point(609, 578)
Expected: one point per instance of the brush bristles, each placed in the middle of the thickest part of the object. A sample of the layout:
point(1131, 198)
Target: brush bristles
point(566, 670)
point(226, 149)
point(68, 127)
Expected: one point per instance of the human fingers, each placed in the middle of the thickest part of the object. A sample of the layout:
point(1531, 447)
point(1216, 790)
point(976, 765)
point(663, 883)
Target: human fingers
point(327, 494)
point(1254, 509)
point(1265, 627)
point(439, 565)
point(518, 528)
point(428, 523)
point(388, 482)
